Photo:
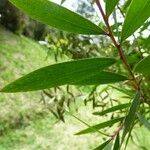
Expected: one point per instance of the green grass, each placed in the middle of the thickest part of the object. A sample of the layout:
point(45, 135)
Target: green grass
point(25, 123)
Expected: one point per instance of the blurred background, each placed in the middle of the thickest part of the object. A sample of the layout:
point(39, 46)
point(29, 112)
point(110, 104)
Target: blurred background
point(38, 120)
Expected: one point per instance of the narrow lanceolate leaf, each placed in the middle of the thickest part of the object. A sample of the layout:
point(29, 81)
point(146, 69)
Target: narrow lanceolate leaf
point(146, 43)
point(137, 14)
point(117, 143)
point(102, 77)
point(110, 6)
point(109, 146)
point(60, 74)
point(57, 16)
point(100, 126)
point(144, 121)
point(102, 146)
point(113, 109)
point(143, 66)
point(129, 120)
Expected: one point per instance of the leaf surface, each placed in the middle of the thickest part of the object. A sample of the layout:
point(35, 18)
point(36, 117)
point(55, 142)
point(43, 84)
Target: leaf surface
point(110, 6)
point(103, 145)
point(143, 66)
point(144, 121)
point(137, 14)
point(112, 109)
point(57, 16)
point(129, 120)
point(100, 126)
point(76, 72)
point(117, 143)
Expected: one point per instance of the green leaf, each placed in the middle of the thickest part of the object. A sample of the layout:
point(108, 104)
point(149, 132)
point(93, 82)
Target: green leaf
point(129, 120)
point(146, 43)
point(102, 146)
point(100, 126)
point(126, 5)
point(144, 121)
point(143, 66)
point(117, 143)
point(61, 74)
point(112, 109)
point(145, 26)
point(109, 146)
point(103, 77)
point(57, 16)
point(137, 14)
point(110, 6)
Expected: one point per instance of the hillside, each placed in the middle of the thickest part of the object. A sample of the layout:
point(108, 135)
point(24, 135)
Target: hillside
point(25, 122)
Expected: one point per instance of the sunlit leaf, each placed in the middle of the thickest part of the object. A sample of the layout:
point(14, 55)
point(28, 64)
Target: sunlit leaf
point(112, 109)
point(143, 66)
point(117, 143)
point(137, 14)
point(110, 6)
point(144, 121)
point(62, 73)
point(109, 146)
point(102, 146)
point(129, 120)
point(126, 5)
point(145, 26)
point(57, 16)
point(100, 126)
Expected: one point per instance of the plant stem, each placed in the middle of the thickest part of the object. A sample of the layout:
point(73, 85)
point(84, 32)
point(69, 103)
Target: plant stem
point(116, 132)
point(118, 46)
point(137, 43)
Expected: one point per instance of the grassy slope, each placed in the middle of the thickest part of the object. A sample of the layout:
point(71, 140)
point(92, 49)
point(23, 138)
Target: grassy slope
point(24, 121)
point(25, 124)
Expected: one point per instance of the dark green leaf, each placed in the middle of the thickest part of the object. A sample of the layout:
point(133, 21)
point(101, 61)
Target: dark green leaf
point(117, 143)
point(102, 77)
point(100, 126)
point(144, 121)
point(57, 16)
point(112, 109)
point(102, 146)
point(137, 14)
point(129, 120)
point(110, 6)
point(143, 66)
point(60, 74)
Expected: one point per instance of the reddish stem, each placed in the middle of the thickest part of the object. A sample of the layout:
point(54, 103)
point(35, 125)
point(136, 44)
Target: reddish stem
point(118, 46)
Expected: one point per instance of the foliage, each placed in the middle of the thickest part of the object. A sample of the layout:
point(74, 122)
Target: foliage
point(25, 116)
point(130, 69)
